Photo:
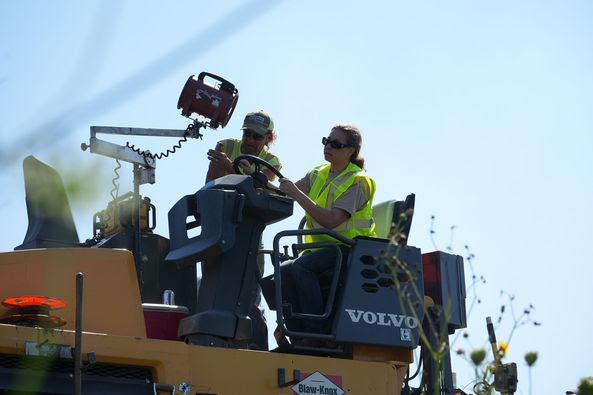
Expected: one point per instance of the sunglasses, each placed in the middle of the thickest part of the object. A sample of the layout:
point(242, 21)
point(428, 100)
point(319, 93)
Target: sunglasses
point(334, 143)
point(249, 133)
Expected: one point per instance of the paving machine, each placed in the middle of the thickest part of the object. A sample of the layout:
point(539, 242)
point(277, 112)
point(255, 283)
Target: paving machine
point(122, 313)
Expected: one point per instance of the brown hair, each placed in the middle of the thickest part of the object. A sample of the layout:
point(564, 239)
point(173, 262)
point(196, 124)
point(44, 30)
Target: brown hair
point(354, 140)
point(272, 138)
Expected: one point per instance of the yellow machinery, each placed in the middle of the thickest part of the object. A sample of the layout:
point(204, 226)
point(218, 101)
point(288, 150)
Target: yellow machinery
point(122, 313)
point(129, 342)
point(119, 214)
point(126, 361)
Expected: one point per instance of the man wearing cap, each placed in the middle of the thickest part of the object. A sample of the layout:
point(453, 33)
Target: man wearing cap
point(258, 135)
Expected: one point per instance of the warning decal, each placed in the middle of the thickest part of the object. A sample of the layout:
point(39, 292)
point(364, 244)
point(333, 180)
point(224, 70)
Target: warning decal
point(318, 384)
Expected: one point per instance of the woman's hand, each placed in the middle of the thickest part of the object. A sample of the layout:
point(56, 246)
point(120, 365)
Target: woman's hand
point(289, 188)
point(220, 160)
point(327, 218)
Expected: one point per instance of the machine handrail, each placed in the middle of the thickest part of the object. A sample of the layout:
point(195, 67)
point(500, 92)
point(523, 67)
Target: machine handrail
point(334, 283)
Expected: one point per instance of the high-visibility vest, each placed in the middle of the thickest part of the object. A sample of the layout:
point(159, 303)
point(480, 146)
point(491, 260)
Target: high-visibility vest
point(361, 222)
point(232, 149)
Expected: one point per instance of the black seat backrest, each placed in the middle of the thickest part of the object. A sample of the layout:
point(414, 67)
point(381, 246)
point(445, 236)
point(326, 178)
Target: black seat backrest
point(402, 217)
point(50, 220)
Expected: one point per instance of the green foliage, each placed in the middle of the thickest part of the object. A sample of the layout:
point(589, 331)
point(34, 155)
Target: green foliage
point(530, 358)
point(487, 369)
point(87, 184)
point(586, 386)
point(478, 356)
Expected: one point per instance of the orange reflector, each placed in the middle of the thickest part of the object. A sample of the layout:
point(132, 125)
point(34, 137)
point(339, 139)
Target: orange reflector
point(29, 301)
point(34, 320)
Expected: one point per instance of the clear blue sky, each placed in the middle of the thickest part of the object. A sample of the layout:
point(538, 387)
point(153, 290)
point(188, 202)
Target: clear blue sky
point(483, 109)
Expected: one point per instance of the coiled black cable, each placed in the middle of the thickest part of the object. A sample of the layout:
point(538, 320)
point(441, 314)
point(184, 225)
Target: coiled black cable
point(160, 155)
point(169, 151)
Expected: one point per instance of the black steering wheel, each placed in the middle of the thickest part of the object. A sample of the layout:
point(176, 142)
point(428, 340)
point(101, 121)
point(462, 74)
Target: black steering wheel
point(259, 177)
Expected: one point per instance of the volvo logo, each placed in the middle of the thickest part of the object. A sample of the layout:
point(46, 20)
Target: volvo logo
point(382, 319)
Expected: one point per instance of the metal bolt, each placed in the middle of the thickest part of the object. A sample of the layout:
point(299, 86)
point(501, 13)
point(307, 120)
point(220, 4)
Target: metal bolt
point(184, 388)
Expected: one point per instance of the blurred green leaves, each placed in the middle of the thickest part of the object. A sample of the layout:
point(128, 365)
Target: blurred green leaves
point(531, 358)
point(586, 386)
point(477, 356)
point(87, 183)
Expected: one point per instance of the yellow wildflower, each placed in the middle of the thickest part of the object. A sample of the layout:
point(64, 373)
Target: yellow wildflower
point(502, 348)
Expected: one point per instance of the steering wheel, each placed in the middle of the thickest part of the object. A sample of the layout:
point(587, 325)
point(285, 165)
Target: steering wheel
point(259, 177)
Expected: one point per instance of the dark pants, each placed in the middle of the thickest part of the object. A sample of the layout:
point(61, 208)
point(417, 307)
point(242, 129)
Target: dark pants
point(302, 288)
point(256, 312)
point(259, 326)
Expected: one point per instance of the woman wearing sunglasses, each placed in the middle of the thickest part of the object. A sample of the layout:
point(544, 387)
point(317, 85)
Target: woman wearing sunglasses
point(337, 195)
point(258, 135)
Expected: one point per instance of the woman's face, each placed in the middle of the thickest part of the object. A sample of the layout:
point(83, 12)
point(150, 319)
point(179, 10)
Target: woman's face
point(252, 142)
point(337, 155)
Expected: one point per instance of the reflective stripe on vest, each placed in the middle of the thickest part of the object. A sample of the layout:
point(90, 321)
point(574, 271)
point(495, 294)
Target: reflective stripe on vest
point(325, 195)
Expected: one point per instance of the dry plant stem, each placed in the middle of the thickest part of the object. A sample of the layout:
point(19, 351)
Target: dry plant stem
point(440, 349)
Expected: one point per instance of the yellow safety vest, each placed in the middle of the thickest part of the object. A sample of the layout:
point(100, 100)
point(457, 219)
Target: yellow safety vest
point(361, 222)
point(232, 149)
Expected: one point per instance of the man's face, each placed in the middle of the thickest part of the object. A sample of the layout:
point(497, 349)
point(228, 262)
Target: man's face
point(252, 142)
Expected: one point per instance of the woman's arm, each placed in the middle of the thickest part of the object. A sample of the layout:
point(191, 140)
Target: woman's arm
point(326, 218)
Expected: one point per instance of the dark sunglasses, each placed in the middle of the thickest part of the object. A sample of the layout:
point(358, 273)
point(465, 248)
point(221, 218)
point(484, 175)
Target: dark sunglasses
point(249, 133)
point(334, 143)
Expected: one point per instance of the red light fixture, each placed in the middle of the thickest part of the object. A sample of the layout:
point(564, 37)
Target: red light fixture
point(27, 301)
point(215, 102)
point(33, 311)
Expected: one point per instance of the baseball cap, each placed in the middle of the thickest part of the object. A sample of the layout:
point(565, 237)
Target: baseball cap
point(260, 122)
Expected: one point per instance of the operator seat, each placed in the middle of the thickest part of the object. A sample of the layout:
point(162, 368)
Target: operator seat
point(366, 292)
point(394, 218)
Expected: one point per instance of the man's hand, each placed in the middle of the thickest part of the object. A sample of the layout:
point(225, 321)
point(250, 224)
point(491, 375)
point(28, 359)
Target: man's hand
point(245, 166)
point(220, 160)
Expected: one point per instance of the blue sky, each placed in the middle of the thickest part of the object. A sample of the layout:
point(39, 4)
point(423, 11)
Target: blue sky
point(483, 109)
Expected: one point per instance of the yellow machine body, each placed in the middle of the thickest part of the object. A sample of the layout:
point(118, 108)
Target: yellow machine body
point(114, 330)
